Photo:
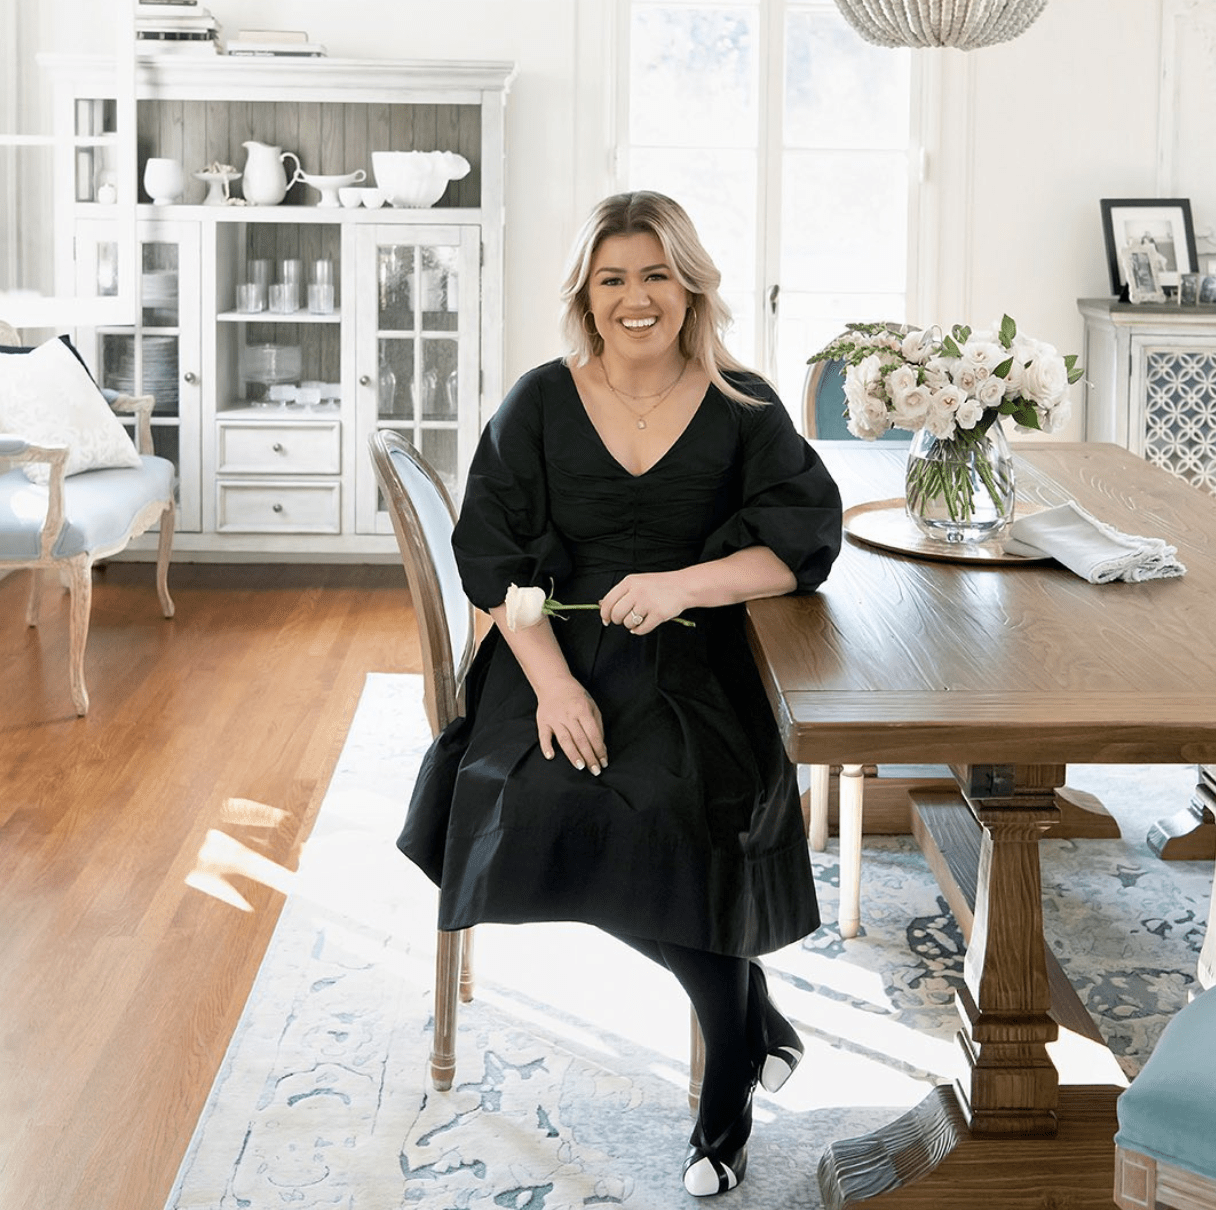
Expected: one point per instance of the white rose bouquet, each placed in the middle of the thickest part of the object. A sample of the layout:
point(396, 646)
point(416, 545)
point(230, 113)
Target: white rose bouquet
point(950, 383)
point(955, 387)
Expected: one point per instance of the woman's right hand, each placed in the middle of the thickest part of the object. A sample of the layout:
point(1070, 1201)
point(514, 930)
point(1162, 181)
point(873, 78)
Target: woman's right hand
point(567, 715)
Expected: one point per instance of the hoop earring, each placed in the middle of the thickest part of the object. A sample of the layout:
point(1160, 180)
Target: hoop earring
point(592, 330)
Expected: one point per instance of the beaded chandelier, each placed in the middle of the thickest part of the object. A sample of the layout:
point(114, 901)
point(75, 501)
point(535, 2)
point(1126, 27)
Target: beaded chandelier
point(965, 24)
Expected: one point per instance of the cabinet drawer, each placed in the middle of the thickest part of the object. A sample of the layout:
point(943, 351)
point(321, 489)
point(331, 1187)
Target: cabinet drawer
point(280, 507)
point(279, 448)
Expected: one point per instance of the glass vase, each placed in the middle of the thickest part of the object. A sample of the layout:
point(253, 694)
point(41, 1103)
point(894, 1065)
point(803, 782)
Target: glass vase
point(961, 488)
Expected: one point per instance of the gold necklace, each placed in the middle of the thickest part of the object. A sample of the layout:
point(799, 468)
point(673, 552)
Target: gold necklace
point(624, 395)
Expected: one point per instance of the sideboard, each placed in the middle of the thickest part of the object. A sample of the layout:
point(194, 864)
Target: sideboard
point(1150, 383)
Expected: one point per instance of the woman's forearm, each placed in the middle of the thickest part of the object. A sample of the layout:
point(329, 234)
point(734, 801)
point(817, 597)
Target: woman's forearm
point(743, 576)
point(536, 650)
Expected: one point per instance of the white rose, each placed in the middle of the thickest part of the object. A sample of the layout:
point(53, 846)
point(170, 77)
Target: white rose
point(990, 391)
point(1054, 419)
point(900, 380)
point(1046, 378)
point(937, 373)
point(909, 408)
point(967, 414)
point(942, 407)
point(525, 606)
point(983, 353)
point(966, 377)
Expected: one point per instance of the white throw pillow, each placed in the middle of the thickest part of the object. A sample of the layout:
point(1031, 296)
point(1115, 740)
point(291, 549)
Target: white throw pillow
point(47, 397)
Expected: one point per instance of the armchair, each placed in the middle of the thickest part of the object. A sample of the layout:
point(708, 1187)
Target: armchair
point(74, 519)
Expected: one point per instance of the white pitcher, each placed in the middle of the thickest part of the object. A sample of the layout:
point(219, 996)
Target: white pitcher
point(265, 182)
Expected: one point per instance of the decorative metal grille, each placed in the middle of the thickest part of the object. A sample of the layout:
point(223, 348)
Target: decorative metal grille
point(1180, 415)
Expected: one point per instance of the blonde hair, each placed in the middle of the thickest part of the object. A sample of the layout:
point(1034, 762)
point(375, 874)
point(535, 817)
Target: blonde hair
point(643, 212)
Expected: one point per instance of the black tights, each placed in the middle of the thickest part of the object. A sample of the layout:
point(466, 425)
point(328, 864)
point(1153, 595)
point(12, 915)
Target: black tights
point(717, 986)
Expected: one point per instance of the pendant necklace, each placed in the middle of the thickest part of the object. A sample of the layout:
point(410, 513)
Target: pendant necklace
point(624, 395)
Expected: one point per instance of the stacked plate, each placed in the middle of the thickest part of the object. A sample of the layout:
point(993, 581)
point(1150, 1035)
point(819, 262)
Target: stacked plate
point(159, 368)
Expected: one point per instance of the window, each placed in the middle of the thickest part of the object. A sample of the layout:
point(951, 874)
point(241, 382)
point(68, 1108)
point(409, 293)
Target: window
point(788, 140)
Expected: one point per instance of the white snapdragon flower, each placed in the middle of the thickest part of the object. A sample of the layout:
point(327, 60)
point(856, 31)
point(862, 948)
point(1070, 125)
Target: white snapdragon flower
point(916, 347)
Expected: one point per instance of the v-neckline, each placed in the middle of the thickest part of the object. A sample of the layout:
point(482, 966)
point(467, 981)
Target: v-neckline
point(582, 407)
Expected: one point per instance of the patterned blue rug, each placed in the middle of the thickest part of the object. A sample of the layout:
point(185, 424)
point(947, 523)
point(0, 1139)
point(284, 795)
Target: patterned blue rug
point(571, 1087)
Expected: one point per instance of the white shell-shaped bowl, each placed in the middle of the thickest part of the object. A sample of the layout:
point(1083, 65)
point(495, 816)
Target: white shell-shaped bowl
point(416, 178)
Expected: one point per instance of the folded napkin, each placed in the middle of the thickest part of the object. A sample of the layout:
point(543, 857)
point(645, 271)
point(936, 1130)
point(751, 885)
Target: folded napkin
point(1094, 550)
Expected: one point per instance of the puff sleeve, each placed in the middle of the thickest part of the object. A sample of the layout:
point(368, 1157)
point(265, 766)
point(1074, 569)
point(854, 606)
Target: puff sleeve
point(504, 534)
point(784, 496)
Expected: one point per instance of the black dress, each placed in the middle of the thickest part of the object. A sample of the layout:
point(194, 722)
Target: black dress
point(693, 832)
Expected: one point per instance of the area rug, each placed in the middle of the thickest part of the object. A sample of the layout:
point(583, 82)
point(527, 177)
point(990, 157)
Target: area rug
point(571, 1087)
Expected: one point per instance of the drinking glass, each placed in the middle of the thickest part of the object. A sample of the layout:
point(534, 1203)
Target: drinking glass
point(285, 297)
point(321, 299)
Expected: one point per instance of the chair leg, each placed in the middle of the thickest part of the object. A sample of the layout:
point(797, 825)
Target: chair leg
point(164, 549)
point(852, 787)
point(696, 1061)
point(447, 978)
point(817, 824)
point(80, 585)
point(35, 598)
point(466, 967)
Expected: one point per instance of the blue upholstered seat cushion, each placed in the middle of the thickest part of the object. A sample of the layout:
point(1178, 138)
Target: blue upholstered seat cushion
point(99, 507)
point(1169, 1112)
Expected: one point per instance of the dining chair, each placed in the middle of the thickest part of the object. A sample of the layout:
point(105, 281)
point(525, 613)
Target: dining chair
point(69, 519)
point(824, 419)
point(1164, 1153)
point(423, 517)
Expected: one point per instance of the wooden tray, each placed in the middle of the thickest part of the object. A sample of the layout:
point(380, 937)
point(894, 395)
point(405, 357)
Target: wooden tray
point(886, 524)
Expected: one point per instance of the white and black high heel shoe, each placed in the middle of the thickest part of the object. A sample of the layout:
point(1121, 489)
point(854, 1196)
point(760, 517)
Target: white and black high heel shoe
point(776, 1045)
point(717, 1167)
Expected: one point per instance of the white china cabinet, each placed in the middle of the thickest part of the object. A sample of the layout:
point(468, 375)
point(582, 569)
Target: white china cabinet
point(266, 412)
point(1150, 383)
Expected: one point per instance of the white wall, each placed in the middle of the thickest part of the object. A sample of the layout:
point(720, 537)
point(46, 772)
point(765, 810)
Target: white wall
point(1032, 134)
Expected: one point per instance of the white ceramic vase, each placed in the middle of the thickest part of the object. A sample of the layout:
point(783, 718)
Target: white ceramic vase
point(164, 181)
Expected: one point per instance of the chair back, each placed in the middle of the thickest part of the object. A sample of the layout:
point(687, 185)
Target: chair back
point(824, 412)
point(423, 518)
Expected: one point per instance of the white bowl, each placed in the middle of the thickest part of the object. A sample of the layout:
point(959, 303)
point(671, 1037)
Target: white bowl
point(416, 178)
point(328, 186)
point(350, 196)
point(373, 199)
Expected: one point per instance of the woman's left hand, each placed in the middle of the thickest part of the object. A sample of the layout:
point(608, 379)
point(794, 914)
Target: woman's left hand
point(642, 601)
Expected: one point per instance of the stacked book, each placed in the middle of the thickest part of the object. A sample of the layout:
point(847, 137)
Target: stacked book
point(274, 43)
point(176, 27)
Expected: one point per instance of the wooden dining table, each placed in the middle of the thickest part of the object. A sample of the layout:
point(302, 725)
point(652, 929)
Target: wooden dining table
point(1007, 672)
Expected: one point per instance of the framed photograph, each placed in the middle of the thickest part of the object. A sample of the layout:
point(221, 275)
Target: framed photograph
point(1140, 264)
point(1164, 222)
point(1207, 289)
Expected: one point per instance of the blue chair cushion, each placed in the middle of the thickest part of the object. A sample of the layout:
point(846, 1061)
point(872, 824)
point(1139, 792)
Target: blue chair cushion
point(1169, 1112)
point(98, 506)
point(831, 423)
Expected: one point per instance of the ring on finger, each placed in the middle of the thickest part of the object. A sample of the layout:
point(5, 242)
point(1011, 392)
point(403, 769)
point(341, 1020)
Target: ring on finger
point(635, 618)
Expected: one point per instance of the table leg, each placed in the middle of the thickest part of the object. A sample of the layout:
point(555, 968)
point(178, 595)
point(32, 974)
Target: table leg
point(1007, 1117)
point(1189, 834)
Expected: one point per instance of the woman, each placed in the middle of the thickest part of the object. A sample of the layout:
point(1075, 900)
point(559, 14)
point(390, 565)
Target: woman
point(622, 769)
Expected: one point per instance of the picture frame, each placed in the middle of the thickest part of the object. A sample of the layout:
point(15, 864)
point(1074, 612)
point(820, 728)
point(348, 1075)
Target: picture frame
point(1166, 222)
point(1140, 264)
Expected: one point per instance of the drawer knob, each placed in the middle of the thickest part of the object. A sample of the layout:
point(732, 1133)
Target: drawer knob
point(277, 508)
point(190, 376)
point(277, 447)
point(365, 380)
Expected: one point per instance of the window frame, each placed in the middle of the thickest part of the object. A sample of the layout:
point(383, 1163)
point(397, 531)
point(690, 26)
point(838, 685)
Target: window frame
point(924, 111)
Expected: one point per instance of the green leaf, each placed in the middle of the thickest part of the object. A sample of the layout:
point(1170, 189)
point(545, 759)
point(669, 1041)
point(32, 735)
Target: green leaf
point(1075, 375)
point(1002, 371)
point(950, 348)
point(1008, 331)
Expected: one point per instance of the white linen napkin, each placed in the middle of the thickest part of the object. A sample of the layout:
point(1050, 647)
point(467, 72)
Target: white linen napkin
point(1094, 550)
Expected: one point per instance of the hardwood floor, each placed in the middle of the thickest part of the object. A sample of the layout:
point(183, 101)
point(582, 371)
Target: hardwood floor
point(143, 848)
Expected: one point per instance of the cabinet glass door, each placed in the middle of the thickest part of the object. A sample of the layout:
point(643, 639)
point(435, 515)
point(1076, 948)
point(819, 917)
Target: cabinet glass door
point(419, 357)
point(159, 355)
